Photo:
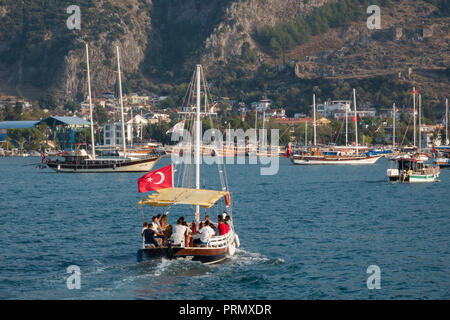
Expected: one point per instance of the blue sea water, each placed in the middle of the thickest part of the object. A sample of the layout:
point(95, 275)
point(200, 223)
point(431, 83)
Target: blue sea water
point(305, 233)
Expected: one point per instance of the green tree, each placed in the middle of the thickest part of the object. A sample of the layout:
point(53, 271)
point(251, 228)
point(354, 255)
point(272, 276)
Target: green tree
point(71, 106)
point(101, 116)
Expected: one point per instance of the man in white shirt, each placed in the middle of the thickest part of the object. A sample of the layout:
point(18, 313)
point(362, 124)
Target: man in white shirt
point(206, 233)
point(179, 233)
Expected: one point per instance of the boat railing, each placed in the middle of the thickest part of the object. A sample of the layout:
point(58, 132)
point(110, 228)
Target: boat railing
point(221, 241)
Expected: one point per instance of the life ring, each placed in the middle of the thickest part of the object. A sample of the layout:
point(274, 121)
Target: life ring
point(228, 199)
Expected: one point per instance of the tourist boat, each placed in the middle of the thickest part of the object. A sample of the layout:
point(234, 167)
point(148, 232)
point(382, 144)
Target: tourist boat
point(218, 248)
point(412, 170)
point(442, 158)
point(334, 156)
point(81, 161)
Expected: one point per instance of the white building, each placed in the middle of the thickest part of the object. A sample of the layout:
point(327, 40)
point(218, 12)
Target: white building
point(261, 105)
point(329, 108)
point(112, 131)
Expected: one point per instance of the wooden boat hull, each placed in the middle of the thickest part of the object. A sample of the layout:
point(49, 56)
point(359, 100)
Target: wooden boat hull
point(309, 160)
point(204, 255)
point(139, 165)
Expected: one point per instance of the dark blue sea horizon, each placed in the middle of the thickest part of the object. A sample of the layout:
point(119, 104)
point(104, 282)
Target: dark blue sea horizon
point(309, 232)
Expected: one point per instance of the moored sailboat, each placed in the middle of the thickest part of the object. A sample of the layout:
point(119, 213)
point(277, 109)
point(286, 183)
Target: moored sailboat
point(82, 161)
point(315, 156)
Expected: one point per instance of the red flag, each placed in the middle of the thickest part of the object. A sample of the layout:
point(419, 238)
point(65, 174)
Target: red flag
point(158, 179)
point(288, 151)
point(355, 119)
point(416, 91)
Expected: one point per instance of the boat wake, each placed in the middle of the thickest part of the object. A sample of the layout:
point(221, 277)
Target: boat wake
point(245, 258)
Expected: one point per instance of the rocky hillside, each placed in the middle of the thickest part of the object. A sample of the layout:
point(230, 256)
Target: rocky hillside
point(160, 41)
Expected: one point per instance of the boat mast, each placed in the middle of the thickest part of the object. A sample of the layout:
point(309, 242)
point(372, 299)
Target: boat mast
point(314, 107)
point(256, 126)
point(121, 101)
point(420, 122)
point(306, 133)
point(393, 126)
point(264, 135)
point(356, 122)
point(347, 106)
point(446, 121)
point(90, 102)
point(197, 142)
point(414, 115)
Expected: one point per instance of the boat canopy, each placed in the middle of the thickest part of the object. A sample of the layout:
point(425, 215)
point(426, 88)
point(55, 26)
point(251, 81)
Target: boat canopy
point(169, 196)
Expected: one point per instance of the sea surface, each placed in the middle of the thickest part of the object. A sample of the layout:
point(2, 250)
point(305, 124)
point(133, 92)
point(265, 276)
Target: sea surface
point(309, 232)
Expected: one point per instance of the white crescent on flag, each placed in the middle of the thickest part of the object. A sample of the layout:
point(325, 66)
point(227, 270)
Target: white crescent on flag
point(162, 178)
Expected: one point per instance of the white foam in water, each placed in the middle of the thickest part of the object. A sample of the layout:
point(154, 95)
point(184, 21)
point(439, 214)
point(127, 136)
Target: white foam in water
point(243, 257)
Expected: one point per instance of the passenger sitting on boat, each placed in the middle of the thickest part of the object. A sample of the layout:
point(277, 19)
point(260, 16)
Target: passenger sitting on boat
point(211, 224)
point(149, 237)
point(159, 236)
point(163, 223)
point(145, 226)
point(229, 222)
point(179, 233)
point(223, 227)
point(155, 227)
point(158, 222)
point(206, 233)
point(189, 231)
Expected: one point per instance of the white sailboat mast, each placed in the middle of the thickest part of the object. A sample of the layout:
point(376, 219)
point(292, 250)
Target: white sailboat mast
point(306, 133)
point(314, 116)
point(197, 141)
point(393, 126)
point(90, 102)
point(356, 122)
point(121, 101)
point(420, 122)
point(347, 106)
point(446, 121)
point(414, 115)
point(264, 135)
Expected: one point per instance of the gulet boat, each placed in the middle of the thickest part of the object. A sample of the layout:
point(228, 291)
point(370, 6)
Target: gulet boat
point(217, 248)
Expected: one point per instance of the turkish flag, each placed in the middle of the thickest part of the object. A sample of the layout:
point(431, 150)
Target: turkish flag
point(416, 91)
point(158, 179)
point(288, 151)
point(355, 118)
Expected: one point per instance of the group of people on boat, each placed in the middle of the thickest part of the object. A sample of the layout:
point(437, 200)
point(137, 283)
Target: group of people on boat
point(159, 233)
